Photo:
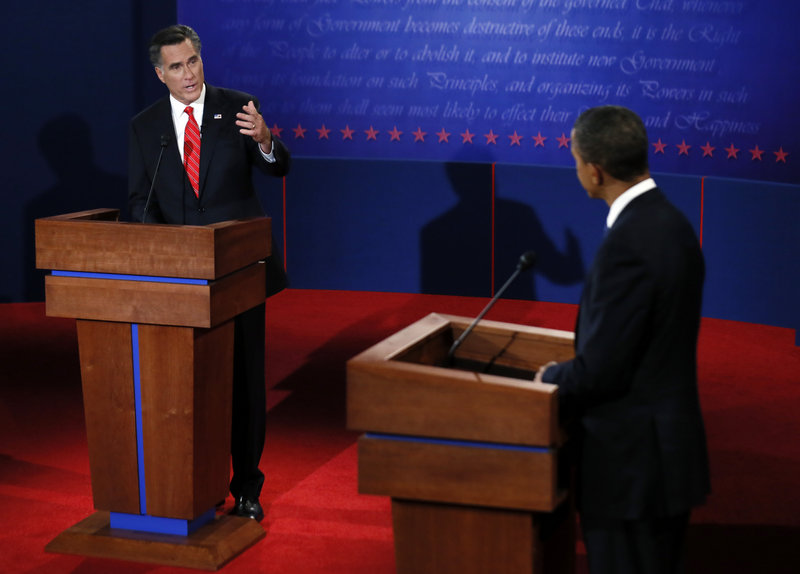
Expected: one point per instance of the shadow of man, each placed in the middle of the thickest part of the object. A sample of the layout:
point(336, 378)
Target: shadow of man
point(456, 257)
point(66, 144)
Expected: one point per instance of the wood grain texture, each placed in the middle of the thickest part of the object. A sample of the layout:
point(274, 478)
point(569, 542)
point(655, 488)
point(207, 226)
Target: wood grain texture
point(492, 477)
point(213, 391)
point(209, 548)
point(389, 392)
point(109, 410)
point(443, 539)
point(449, 539)
point(156, 303)
point(90, 242)
point(186, 381)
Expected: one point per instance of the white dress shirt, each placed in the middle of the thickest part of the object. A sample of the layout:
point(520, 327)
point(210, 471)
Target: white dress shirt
point(627, 196)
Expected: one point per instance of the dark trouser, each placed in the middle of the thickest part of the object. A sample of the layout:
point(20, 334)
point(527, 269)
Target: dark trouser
point(647, 546)
point(249, 403)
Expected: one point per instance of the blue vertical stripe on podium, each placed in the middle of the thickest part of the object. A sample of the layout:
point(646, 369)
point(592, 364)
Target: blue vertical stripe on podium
point(144, 522)
point(137, 394)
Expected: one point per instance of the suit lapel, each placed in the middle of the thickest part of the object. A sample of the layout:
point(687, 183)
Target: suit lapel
point(213, 118)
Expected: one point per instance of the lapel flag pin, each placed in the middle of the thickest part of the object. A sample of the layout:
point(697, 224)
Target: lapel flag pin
point(217, 116)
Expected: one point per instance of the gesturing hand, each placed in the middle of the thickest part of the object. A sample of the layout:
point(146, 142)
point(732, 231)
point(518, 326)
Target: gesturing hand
point(252, 124)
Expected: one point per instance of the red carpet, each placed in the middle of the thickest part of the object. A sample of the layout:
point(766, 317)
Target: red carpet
point(315, 520)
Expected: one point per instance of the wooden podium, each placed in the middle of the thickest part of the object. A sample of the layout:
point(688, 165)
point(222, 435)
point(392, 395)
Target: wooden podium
point(154, 306)
point(469, 452)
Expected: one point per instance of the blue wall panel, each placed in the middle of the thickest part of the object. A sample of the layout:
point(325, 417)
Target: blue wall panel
point(383, 225)
point(364, 225)
point(752, 247)
point(685, 192)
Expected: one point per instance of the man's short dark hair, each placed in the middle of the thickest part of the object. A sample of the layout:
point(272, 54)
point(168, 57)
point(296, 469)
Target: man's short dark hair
point(614, 138)
point(171, 36)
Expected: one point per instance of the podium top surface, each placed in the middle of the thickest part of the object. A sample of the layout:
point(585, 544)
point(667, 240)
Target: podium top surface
point(95, 241)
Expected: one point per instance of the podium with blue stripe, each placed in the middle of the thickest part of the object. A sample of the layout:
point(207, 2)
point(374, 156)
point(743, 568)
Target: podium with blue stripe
point(469, 449)
point(154, 308)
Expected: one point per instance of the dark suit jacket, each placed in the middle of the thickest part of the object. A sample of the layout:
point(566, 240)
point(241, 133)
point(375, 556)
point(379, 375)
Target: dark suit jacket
point(227, 159)
point(632, 385)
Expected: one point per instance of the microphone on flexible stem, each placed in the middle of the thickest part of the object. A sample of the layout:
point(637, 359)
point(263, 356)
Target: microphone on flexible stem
point(526, 261)
point(164, 144)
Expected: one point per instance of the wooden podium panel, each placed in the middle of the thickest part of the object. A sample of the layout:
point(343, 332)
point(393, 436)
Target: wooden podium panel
point(93, 241)
point(186, 374)
point(401, 386)
point(468, 448)
point(133, 301)
point(438, 538)
point(460, 473)
point(155, 306)
point(108, 406)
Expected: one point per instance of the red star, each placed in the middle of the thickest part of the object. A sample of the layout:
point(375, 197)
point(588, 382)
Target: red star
point(539, 138)
point(419, 135)
point(443, 136)
point(515, 139)
point(755, 154)
point(659, 145)
point(780, 155)
point(708, 150)
point(299, 132)
point(683, 148)
point(467, 136)
point(347, 133)
point(491, 137)
point(395, 133)
point(276, 130)
point(323, 132)
point(563, 141)
point(732, 152)
point(372, 133)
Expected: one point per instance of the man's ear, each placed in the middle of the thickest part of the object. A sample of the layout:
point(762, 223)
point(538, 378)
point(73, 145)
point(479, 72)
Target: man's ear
point(160, 74)
point(596, 173)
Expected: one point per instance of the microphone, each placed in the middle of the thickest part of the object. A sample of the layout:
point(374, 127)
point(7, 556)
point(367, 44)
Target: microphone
point(525, 262)
point(164, 144)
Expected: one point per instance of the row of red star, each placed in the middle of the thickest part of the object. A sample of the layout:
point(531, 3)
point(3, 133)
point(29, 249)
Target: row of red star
point(732, 151)
point(324, 133)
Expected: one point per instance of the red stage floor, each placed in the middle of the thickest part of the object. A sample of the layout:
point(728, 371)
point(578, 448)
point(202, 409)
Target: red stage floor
point(316, 522)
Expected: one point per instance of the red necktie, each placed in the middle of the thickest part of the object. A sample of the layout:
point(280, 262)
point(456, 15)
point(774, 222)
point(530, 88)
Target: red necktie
point(191, 151)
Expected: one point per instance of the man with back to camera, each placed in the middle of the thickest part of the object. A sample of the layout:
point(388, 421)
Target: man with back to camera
point(211, 138)
point(642, 462)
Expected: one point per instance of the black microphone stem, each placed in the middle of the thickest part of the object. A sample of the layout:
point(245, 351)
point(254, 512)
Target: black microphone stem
point(525, 262)
point(164, 144)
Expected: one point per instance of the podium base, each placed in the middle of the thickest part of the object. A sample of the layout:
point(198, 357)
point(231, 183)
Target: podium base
point(209, 548)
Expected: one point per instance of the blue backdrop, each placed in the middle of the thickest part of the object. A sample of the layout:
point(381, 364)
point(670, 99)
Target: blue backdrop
point(428, 79)
point(378, 213)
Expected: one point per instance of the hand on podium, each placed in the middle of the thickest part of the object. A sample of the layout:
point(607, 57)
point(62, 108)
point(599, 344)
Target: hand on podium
point(542, 369)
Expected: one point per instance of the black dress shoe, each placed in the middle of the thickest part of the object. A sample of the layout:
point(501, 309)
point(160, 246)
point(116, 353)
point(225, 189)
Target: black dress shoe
point(248, 508)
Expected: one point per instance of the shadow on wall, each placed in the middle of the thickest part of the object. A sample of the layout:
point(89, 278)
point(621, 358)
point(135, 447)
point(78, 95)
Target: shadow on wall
point(456, 247)
point(66, 144)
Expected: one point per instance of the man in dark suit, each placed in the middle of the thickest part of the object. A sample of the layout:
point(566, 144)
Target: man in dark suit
point(211, 139)
point(632, 386)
